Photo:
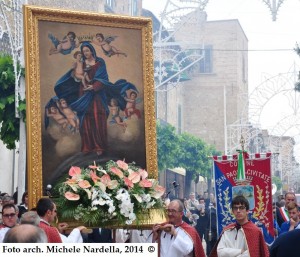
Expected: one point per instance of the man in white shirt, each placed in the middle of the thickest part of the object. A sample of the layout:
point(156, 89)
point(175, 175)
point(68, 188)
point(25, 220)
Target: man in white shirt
point(243, 238)
point(177, 238)
point(193, 203)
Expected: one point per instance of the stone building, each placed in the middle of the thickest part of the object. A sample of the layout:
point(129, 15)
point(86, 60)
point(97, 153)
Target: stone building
point(216, 92)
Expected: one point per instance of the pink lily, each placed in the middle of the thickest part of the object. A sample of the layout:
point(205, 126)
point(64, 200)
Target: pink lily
point(128, 182)
point(74, 171)
point(145, 183)
point(71, 196)
point(117, 172)
point(84, 184)
point(143, 173)
point(134, 177)
point(123, 165)
point(94, 176)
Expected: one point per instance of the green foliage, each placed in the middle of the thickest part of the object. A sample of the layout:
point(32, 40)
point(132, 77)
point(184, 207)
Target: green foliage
point(277, 181)
point(183, 150)
point(167, 146)
point(10, 125)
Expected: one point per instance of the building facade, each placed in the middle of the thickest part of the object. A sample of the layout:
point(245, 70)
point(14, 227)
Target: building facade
point(216, 92)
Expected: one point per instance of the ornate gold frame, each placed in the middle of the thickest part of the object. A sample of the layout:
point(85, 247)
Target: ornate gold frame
point(33, 16)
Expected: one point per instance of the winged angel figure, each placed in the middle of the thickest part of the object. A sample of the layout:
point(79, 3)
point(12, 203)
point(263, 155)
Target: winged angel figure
point(108, 49)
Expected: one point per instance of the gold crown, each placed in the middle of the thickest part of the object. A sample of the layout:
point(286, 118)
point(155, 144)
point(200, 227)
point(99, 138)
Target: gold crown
point(82, 38)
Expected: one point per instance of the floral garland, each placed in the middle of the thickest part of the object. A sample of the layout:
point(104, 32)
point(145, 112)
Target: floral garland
point(117, 192)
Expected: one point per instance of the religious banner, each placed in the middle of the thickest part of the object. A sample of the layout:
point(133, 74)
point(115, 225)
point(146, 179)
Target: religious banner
point(250, 177)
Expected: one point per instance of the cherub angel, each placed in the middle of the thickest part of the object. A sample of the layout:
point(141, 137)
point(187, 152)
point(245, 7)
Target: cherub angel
point(115, 111)
point(68, 113)
point(105, 45)
point(79, 73)
point(53, 112)
point(131, 102)
point(64, 46)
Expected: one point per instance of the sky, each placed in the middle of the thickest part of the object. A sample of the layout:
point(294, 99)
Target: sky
point(271, 56)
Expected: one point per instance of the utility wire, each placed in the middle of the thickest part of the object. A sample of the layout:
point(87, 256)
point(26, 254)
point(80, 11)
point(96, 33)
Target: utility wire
point(250, 50)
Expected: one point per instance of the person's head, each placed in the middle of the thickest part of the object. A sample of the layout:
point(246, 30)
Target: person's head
point(293, 210)
point(281, 203)
point(63, 102)
point(100, 37)
point(133, 95)
point(25, 233)
point(30, 217)
point(88, 51)
point(53, 109)
point(77, 55)
point(114, 102)
point(240, 209)
point(25, 198)
point(192, 196)
point(201, 200)
point(9, 215)
point(212, 197)
point(46, 209)
point(289, 198)
point(71, 35)
point(205, 195)
point(3, 194)
point(175, 212)
point(7, 199)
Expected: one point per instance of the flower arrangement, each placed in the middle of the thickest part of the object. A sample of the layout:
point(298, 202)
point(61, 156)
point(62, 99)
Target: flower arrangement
point(115, 192)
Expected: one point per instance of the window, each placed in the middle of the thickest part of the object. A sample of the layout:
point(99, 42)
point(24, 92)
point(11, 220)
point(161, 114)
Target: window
point(134, 7)
point(206, 61)
point(110, 2)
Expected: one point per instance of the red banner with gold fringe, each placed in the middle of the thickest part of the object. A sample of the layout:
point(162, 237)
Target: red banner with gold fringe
point(257, 188)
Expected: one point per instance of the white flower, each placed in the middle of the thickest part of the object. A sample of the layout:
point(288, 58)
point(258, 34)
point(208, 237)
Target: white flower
point(128, 222)
point(150, 204)
point(130, 171)
point(111, 209)
point(103, 171)
point(138, 198)
point(146, 198)
point(95, 193)
point(132, 216)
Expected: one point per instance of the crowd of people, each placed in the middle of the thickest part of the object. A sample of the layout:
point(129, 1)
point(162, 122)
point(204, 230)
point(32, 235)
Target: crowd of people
point(191, 223)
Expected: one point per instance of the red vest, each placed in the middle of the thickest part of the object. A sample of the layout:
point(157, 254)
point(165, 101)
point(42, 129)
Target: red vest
point(51, 232)
point(198, 248)
point(255, 240)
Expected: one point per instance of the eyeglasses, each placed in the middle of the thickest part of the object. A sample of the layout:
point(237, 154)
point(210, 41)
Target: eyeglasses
point(172, 211)
point(241, 208)
point(9, 215)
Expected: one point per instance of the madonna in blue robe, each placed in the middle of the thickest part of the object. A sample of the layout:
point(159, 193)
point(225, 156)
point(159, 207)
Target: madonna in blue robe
point(90, 102)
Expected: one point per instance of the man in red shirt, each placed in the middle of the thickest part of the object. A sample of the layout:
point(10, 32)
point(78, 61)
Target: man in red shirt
point(47, 211)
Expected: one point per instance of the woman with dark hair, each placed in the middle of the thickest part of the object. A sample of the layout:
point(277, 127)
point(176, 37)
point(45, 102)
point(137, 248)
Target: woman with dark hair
point(23, 207)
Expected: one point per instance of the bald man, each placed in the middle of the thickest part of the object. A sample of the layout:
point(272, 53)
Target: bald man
point(25, 233)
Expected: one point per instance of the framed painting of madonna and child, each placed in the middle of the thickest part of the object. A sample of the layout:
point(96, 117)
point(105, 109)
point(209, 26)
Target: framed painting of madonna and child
point(89, 91)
